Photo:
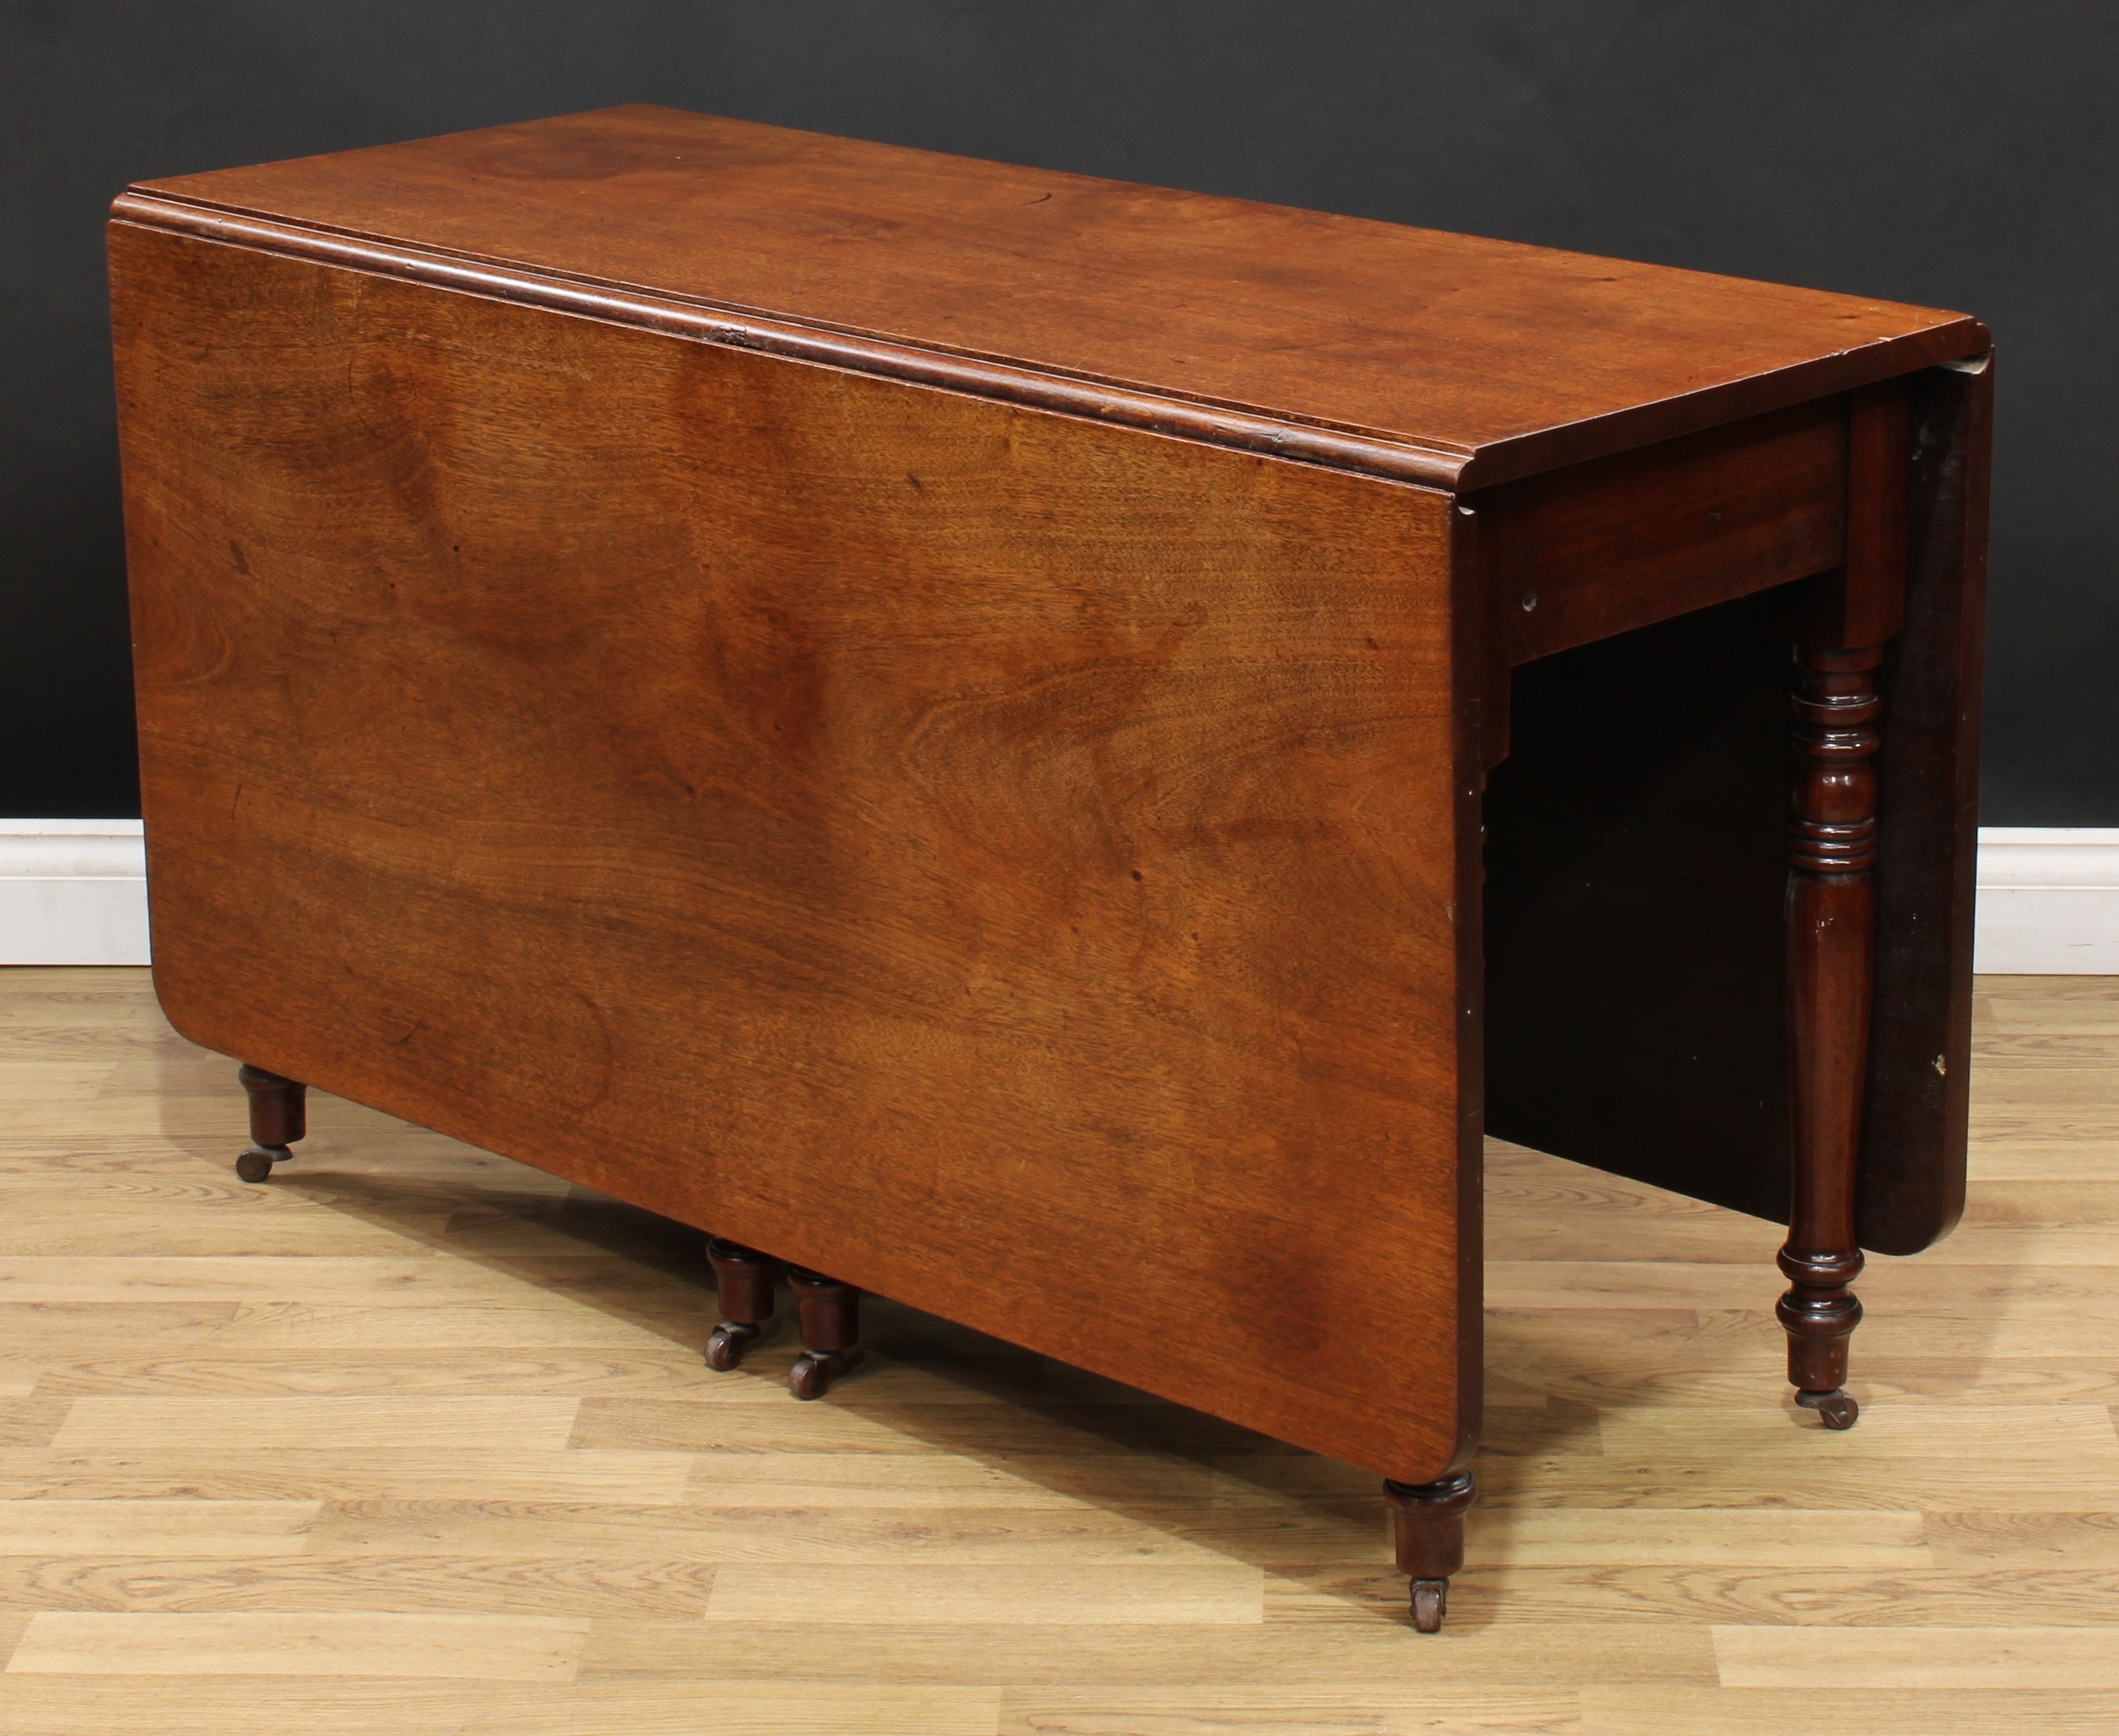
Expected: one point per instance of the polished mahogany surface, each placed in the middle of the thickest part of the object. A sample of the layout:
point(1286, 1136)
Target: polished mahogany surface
point(1635, 924)
point(1443, 358)
point(935, 720)
point(1018, 866)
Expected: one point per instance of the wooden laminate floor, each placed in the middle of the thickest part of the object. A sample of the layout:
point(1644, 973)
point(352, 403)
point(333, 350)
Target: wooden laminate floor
point(415, 1440)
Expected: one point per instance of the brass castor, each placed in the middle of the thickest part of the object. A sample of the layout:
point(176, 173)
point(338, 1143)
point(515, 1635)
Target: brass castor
point(1430, 1601)
point(814, 1371)
point(1835, 1409)
point(256, 1163)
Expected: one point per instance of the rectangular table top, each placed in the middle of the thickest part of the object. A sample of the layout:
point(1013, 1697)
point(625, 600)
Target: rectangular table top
point(1437, 358)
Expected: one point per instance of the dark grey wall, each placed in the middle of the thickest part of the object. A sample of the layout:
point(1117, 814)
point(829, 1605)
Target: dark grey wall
point(1964, 152)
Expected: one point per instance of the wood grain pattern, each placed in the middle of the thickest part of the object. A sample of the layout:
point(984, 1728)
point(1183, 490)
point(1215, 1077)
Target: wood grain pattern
point(1635, 935)
point(431, 1642)
point(1876, 1711)
point(1101, 1594)
point(1652, 1532)
point(1602, 548)
point(490, 1423)
point(1442, 357)
point(899, 828)
point(223, 1530)
point(2024, 1658)
point(44, 1705)
point(825, 791)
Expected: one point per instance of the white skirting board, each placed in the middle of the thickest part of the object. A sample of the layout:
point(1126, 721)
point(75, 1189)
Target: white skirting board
point(2048, 901)
point(74, 892)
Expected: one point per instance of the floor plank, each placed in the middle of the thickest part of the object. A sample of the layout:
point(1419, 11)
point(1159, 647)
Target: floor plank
point(1776, 1712)
point(1952, 1656)
point(429, 1644)
point(223, 1531)
point(1158, 1594)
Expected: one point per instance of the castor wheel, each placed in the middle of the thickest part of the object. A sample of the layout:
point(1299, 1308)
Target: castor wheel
point(744, 1279)
point(729, 1342)
point(278, 1117)
point(814, 1371)
point(1427, 1528)
point(1835, 1409)
point(830, 1315)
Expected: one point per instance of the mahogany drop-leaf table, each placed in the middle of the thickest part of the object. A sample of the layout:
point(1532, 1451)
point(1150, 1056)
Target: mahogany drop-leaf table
point(1054, 750)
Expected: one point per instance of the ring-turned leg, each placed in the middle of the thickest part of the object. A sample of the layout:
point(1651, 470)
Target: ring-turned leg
point(1427, 1522)
point(831, 1332)
point(1831, 955)
point(743, 1280)
point(279, 1115)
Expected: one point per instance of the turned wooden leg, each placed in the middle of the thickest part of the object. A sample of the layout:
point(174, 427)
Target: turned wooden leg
point(1832, 953)
point(830, 1330)
point(279, 1115)
point(1427, 1521)
point(744, 1279)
